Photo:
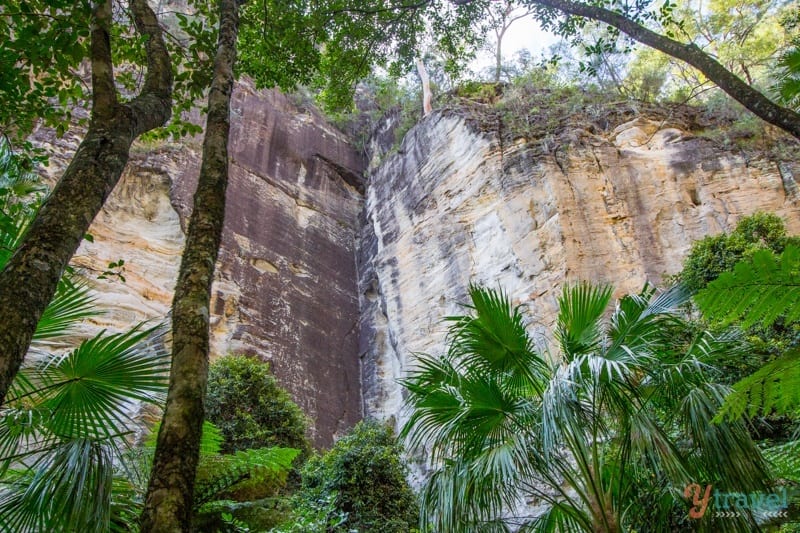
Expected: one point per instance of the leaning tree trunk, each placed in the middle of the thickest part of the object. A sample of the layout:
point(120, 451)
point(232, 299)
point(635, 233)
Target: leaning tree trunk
point(30, 278)
point(169, 499)
point(737, 89)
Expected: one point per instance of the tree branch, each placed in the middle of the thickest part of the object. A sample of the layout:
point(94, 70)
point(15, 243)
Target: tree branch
point(104, 93)
point(157, 88)
point(740, 91)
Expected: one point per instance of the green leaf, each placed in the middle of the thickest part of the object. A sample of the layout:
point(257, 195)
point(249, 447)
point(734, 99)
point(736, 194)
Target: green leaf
point(757, 291)
point(89, 389)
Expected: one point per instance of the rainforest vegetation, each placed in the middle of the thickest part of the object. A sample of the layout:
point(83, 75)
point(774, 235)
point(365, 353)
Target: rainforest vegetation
point(618, 422)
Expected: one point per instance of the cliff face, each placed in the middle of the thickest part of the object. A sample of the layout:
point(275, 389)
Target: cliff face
point(285, 289)
point(457, 205)
point(337, 280)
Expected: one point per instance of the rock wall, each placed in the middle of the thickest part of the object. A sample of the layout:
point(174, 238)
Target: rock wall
point(458, 203)
point(285, 289)
point(337, 281)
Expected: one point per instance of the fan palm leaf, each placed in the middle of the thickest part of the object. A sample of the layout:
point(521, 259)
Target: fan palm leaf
point(622, 395)
point(63, 427)
point(68, 489)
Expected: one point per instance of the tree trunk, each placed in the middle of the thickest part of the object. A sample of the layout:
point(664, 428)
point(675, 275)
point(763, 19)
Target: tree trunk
point(29, 280)
point(740, 91)
point(426, 88)
point(169, 499)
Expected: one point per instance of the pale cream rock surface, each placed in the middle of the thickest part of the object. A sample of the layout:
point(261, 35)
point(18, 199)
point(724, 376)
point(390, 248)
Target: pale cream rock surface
point(453, 206)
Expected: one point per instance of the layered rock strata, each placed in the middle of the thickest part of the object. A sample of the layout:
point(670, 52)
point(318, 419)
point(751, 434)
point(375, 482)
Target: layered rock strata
point(460, 203)
point(285, 289)
point(338, 281)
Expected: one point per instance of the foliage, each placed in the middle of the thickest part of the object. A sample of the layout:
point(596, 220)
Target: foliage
point(20, 197)
point(711, 256)
point(788, 77)
point(359, 485)
point(319, 514)
point(579, 426)
point(249, 407)
point(218, 475)
point(44, 42)
point(333, 45)
point(756, 291)
point(760, 291)
point(785, 460)
point(743, 36)
point(64, 425)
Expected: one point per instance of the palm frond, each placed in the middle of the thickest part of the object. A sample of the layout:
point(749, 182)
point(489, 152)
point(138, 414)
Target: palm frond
point(457, 499)
point(640, 320)
point(494, 338)
point(461, 414)
point(757, 291)
point(71, 304)
point(577, 432)
point(787, 87)
point(579, 324)
point(67, 490)
point(559, 518)
point(725, 449)
point(92, 386)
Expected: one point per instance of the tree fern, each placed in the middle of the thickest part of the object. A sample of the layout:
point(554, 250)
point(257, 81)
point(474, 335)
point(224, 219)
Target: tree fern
point(785, 460)
point(775, 387)
point(218, 473)
point(760, 291)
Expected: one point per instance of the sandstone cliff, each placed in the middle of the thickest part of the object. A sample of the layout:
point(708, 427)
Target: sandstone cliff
point(285, 289)
point(337, 276)
point(463, 200)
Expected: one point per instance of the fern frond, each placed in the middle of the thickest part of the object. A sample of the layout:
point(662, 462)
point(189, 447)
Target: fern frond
point(775, 387)
point(219, 473)
point(206, 490)
point(785, 460)
point(757, 291)
point(210, 441)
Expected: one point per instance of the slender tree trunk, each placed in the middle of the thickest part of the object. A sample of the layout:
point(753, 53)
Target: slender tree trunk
point(29, 280)
point(498, 56)
point(740, 91)
point(169, 500)
point(426, 88)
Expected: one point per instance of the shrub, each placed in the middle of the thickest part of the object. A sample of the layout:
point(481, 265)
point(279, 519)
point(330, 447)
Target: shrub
point(249, 407)
point(712, 256)
point(359, 485)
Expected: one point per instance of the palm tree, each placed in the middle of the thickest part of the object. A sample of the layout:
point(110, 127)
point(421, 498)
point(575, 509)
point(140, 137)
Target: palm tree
point(64, 424)
point(602, 432)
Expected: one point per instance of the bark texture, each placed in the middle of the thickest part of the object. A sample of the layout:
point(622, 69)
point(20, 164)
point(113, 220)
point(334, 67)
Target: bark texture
point(169, 499)
point(755, 101)
point(30, 278)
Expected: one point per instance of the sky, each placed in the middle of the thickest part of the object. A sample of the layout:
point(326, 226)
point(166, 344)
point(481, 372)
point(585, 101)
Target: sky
point(524, 33)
